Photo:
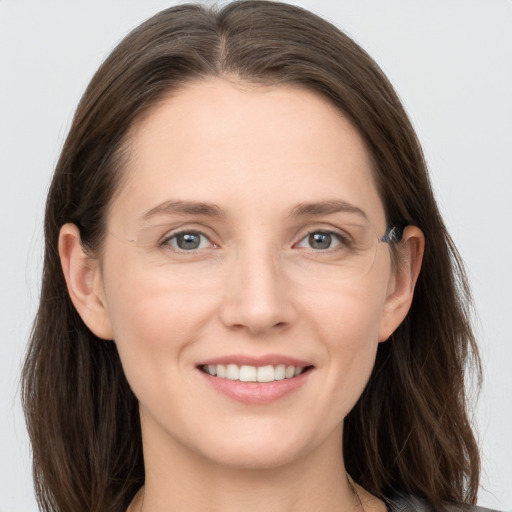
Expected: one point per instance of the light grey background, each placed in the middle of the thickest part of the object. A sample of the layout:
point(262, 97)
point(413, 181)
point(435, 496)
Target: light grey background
point(451, 62)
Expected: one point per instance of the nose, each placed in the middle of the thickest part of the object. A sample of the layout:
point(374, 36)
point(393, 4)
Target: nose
point(257, 295)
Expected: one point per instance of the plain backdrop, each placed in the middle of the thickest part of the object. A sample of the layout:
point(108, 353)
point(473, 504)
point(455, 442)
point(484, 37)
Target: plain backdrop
point(451, 63)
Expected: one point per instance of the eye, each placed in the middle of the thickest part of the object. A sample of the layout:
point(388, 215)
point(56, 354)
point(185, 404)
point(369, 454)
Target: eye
point(320, 240)
point(188, 241)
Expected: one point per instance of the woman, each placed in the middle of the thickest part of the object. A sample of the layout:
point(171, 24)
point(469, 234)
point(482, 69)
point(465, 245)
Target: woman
point(232, 312)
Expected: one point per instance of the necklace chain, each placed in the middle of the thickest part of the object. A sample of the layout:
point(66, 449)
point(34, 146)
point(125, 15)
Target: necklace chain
point(349, 478)
point(354, 489)
point(143, 496)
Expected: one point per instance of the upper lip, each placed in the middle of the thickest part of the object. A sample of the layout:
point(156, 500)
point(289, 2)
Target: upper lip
point(263, 360)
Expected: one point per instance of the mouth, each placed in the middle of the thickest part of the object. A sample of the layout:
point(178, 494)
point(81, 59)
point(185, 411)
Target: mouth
point(253, 380)
point(248, 373)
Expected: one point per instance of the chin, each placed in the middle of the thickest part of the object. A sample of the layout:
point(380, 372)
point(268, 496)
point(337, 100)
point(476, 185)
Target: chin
point(259, 448)
point(255, 457)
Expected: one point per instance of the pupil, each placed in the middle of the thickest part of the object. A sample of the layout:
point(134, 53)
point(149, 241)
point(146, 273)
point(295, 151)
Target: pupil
point(188, 241)
point(320, 240)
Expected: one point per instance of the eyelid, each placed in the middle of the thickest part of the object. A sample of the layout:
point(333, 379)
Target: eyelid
point(163, 242)
point(342, 238)
point(185, 226)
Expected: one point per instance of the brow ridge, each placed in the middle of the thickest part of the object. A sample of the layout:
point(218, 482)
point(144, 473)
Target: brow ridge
point(326, 208)
point(303, 209)
point(184, 208)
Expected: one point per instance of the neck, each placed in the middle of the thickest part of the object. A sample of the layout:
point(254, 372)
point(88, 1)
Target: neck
point(179, 480)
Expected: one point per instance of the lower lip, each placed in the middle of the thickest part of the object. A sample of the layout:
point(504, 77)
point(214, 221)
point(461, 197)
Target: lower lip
point(256, 393)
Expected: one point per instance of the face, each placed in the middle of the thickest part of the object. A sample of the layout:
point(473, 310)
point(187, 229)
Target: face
point(232, 249)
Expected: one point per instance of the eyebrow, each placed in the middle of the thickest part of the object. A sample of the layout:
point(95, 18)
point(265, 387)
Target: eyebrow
point(326, 208)
point(184, 208)
point(212, 210)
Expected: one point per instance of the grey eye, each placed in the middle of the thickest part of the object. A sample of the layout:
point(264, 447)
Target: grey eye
point(320, 241)
point(188, 241)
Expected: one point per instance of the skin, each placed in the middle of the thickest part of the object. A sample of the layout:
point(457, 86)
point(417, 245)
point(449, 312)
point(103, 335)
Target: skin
point(254, 287)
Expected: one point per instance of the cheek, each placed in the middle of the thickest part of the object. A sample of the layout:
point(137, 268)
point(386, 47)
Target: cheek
point(350, 327)
point(347, 313)
point(347, 318)
point(153, 304)
point(154, 319)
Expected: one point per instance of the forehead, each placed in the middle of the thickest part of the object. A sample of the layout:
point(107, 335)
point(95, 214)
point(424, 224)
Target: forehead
point(243, 146)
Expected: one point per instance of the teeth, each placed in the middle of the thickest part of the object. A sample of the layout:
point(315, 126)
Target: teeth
point(247, 373)
point(232, 372)
point(289, 372)
point(265, 374)
point(280, 372)
point(221, 371)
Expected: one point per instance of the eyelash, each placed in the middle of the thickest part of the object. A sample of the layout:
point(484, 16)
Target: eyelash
point(341, 239)
point(166, 241)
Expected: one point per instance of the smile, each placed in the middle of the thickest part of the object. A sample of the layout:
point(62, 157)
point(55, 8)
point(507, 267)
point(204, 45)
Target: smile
point(255, 380)
point(247, 373)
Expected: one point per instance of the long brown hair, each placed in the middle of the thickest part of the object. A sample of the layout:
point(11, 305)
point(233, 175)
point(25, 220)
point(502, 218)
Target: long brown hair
point(410, 431)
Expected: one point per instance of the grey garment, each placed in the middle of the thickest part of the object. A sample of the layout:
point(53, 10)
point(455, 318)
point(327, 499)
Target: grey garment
point(408, 503)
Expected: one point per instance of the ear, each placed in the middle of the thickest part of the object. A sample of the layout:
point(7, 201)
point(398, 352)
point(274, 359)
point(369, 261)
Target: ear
point(84, 282)
point(401, 286)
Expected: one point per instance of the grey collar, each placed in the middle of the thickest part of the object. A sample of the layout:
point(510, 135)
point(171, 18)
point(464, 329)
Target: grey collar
point(410, 503)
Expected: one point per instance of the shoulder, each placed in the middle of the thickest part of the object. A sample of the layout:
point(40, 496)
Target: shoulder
point(410, 503)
